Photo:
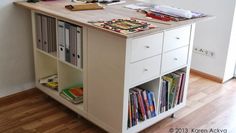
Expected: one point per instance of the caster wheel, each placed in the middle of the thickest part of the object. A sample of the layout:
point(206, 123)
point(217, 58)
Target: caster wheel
point(173, 116)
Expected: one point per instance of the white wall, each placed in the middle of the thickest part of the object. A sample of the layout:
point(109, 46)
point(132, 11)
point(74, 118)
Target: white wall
point(231, 57)
point(16, 57)
point(213, 35)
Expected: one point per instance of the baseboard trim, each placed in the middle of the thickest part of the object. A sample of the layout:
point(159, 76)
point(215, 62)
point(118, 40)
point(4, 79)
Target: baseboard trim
point(16, 89)
point(207, 76)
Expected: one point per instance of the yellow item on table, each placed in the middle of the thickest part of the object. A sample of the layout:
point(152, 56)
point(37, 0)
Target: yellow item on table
point(85, 6)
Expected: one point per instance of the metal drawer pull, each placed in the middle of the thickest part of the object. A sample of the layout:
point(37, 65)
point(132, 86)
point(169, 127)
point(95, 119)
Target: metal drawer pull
point(176, 59)
point(147, 46)
point(177, 38)
point(145, 70)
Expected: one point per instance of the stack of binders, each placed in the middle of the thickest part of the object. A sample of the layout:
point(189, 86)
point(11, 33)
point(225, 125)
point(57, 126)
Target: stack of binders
point(70, 43)
point(46, 33)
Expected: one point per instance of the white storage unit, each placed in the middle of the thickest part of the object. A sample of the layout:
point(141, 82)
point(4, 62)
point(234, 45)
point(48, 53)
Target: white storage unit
point(112, 66)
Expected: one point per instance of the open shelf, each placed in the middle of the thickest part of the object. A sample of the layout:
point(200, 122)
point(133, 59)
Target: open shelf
point(79, 108)
point(146, 104)
point(68, 76)
point(172, 90)
point(45, 66)
point(49, 63)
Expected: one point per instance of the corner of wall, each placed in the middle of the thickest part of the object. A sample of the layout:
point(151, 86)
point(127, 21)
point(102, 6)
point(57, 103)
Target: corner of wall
point(15, 89)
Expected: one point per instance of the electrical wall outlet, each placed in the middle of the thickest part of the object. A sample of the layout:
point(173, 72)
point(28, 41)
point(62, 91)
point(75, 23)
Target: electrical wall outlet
point(204, 52)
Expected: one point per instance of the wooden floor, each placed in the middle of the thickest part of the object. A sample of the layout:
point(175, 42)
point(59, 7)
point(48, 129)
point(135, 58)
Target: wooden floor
point(210, 105)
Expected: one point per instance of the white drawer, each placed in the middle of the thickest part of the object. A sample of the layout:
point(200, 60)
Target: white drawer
point(147, 46)
point(176, 38)
point(174, 59)
point(145, 70)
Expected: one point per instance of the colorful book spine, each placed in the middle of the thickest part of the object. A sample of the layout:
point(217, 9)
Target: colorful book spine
point(151, 106)
point(154, 103)
point(146, 103)
point(129, 113)
point(141, 103)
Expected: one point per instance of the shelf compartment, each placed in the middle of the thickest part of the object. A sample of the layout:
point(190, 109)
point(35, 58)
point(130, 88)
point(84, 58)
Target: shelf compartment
point(172, 90)
point(45, 33)
point(44, 66)
point(78, 108)
point(143, 102)
point(68, 76)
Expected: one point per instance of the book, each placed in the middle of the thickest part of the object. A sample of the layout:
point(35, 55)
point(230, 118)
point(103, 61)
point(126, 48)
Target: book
point(54, 42)
point(76, 92)
point(169, 81)
point(177, 90)
point(164, 97)
point(50, 81)
point(129, 113)
point(45, 34)
point(154, 103)
point(79, 48)
point(151, 105)
point(61, 40)
point(136, 108)
point(39, 31)
point(146, 103)
point(182, 88)
point(67, 42)
point(141, 103)
point(132, 108)
point(73, 44)
point(73, 94)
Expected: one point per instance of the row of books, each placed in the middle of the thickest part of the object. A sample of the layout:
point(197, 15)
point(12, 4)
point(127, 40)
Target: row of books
point(73, 94)
point(50, 81)
point(46, 33)
point(141, 106)
point(70, 43)
point(172, 90)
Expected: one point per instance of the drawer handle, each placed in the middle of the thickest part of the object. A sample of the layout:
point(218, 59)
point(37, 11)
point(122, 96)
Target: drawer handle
point(145, 69)
point(175, 59)
point(177, 38)
point(147, 46)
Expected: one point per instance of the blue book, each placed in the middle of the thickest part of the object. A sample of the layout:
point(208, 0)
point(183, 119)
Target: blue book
point(151, 105)
point(154, 102)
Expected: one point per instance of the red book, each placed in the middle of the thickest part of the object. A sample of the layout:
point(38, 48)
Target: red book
point(76, 92)
point(141, 103)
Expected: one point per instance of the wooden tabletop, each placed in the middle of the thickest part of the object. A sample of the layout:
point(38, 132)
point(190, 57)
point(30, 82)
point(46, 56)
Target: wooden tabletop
point(57, 9)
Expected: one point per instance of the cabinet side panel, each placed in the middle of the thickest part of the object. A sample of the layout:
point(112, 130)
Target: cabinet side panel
point(106, 68)
point(191, 39)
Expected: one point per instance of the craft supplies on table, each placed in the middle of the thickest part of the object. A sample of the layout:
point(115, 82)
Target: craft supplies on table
point(84, 6)
point(124, 26)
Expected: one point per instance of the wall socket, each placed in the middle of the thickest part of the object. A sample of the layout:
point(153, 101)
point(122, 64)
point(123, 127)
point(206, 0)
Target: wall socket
point(204, 52)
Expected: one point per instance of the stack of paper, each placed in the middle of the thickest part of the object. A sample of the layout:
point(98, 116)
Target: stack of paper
point(177, 12)
point(141, 6)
